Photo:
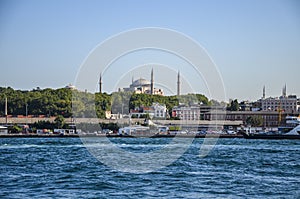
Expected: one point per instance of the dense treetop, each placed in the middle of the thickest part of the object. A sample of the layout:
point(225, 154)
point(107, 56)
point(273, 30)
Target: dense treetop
point(54, 102)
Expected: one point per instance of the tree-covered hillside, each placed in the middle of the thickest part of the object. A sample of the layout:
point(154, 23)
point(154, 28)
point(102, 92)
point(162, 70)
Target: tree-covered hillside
point(54, 102)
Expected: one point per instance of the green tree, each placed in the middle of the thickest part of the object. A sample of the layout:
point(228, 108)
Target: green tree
point(234, 105)
point(65, 102)
point(59, 121)
point(102, 103)
point(146, 116)
point(14, 129)
point(43, 125)
point(254, 120)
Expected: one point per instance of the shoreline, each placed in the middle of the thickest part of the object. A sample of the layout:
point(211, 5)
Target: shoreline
point(118, 136)
point(221, 136)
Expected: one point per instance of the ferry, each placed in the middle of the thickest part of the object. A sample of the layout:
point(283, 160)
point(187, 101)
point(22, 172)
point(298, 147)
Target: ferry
point(292, 126)
point(290, 131)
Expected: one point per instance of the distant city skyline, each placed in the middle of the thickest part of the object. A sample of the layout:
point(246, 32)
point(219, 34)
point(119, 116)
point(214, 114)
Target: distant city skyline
point(253, 43)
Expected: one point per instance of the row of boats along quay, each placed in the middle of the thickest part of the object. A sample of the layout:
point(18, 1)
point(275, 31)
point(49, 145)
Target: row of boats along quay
point(167, 129)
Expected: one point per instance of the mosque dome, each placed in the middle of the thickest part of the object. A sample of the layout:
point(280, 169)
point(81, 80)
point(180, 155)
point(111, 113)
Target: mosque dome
point(71, 87)
point(140, 82)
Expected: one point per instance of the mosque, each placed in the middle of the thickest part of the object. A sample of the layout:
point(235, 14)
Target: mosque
point(144, 86)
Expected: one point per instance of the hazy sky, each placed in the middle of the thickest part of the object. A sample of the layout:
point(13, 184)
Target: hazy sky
point(253, 43)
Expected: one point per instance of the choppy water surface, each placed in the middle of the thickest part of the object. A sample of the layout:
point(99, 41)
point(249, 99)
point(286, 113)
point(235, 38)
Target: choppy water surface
point(235, 168)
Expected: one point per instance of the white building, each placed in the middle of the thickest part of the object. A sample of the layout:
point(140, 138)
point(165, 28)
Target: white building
point(186, 112)
point(284, 103)
point(160, 110)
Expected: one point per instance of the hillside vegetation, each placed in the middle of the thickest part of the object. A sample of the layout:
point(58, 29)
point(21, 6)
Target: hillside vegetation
point(55, 102)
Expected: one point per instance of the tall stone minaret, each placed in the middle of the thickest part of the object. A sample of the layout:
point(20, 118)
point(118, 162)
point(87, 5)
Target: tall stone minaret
point(264, 93)
point(178, 84)
point(152, 83)
point(100, 83)
point(284, 91)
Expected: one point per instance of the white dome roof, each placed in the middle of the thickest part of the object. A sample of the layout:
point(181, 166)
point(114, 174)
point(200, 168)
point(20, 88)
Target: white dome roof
point(140, 82)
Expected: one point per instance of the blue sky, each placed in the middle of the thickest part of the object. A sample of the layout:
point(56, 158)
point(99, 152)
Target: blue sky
point(253, 43)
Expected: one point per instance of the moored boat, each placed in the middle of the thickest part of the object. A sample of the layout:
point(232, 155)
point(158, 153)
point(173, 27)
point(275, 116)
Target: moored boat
point(290, 131)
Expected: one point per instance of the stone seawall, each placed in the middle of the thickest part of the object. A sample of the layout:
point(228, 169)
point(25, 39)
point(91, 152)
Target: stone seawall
point(15, 120)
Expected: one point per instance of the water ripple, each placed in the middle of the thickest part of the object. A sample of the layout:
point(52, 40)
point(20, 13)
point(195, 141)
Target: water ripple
point(236, 168)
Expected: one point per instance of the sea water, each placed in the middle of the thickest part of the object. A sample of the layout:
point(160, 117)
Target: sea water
point(234, 168)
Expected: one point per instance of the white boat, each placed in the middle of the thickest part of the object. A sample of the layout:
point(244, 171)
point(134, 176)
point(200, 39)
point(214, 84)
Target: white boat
point(134, 130)
point(3, 130)
point(292, 126)
point(290, 131)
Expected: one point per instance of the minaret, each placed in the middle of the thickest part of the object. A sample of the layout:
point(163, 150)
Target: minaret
point(284, 91)
point(152, 83)
point(178, 84)
point(100, 83)
point(264, 93)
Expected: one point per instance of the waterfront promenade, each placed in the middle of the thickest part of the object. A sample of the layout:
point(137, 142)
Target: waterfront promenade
point(31, 120)
point(34, 135)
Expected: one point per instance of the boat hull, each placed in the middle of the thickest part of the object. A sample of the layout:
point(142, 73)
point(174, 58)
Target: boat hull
point(273, 137)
